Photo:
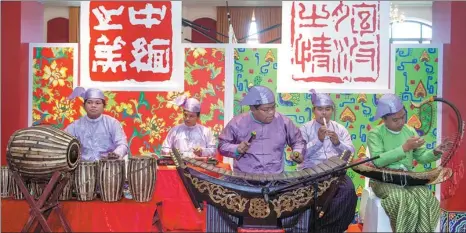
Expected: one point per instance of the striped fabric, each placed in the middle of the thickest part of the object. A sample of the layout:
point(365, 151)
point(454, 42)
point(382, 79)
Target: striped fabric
point(338, 216)
point(220, 221)
point(341, 211)
point(410, 208)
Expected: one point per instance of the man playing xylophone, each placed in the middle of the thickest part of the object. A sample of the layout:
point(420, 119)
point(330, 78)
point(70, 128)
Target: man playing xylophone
point(190, 138)
point(261, 155)
point(326, 138)
point(100, 135)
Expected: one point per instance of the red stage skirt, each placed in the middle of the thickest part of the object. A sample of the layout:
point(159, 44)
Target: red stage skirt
point(177, 211)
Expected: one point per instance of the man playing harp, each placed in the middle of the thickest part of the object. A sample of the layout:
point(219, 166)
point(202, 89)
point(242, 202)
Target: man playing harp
point(261, 155)
point(410, 208)
point(325, 139)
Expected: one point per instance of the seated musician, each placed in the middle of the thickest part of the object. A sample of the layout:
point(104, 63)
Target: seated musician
point(190, 138)
point(326, 138)
point(262, 155)
point(100, 135)
point(410, 208)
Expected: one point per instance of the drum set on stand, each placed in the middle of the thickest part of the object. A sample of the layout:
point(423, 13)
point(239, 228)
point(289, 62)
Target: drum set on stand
point(45, 166)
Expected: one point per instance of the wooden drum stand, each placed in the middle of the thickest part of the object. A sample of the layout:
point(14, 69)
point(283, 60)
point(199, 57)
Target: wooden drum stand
point(40, 210)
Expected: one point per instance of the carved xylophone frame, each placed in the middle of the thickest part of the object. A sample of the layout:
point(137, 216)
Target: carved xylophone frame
point(249, 200)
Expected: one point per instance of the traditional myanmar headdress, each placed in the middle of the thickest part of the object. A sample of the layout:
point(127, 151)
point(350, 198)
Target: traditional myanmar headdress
point(189, 104)
point(320, 100)
point(388, 104)
point(91, 93)
point(258, 95)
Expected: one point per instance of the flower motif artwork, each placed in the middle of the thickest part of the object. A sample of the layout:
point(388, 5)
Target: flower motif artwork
point(146, 117)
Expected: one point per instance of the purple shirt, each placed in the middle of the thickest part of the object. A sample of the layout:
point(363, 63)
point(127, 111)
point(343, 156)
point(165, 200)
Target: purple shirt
point(186, 138)
point(317, 151)
point(99, 136)
point(266, 153)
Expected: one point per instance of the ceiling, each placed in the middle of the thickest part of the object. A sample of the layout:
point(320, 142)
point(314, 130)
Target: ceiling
point(231, 3)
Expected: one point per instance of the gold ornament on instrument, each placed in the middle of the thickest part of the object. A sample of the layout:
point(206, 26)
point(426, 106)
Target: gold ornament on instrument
point(258, 208)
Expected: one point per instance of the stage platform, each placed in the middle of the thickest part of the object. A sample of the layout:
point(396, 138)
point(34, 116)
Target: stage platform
point(177, 211)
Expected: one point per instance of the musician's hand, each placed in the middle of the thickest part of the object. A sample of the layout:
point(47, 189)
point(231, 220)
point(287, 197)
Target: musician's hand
point(197, 151)
point(243, 147)
point(413, 143)
point(333, 137)
point(321, 133)
point(297, 157)
point(113, 155)
point(443, 147)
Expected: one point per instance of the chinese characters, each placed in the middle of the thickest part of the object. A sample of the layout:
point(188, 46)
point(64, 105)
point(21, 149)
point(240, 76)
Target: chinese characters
point(335, 42)
point(123, 45)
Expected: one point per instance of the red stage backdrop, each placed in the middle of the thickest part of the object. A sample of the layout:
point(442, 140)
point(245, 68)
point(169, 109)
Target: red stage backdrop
point(132, 45)
point(145, 116)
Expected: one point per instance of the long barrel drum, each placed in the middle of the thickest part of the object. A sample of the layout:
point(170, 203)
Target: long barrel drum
point(37, 152)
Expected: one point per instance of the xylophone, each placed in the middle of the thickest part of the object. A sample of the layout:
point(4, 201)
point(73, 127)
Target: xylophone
point(260, 198)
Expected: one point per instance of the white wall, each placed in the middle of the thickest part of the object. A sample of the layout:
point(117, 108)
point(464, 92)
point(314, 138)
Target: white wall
point(51, 12)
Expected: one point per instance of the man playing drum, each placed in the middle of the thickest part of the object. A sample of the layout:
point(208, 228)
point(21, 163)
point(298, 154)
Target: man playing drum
point(100, 135)
point(190, 138)
point(326, 138)
point(261, 155)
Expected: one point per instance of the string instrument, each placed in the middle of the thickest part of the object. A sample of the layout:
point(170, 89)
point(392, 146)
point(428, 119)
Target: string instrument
point(261, 197)
point(410, 178)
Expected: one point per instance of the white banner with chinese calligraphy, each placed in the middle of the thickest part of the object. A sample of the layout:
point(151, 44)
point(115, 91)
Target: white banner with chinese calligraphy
point(131, 45)
point(335, 47)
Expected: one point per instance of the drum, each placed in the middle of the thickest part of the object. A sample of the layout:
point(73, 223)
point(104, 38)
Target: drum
point(37, 187)
point(39, 151)
point(111, 178)
point(16, 192)
point(67, 192)
point(141, 176)
point(85, 180)
point(5, 182)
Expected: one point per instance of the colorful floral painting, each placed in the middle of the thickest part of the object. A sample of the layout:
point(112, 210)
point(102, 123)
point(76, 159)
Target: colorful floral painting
point(146, 117)
point(52, 81)
point(416, 79)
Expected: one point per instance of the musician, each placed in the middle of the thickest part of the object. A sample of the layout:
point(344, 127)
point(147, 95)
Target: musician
point(190, 138)
point(410, 208)
point(100, 135)
point(326, 138)
point(262, 155)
